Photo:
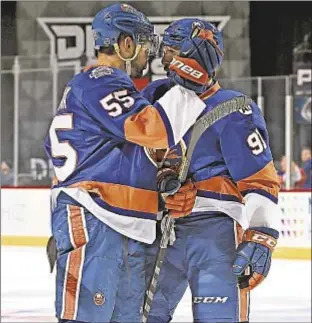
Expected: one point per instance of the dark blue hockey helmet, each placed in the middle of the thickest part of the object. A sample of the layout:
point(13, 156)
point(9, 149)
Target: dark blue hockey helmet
point(200, 47)
point(115, 19)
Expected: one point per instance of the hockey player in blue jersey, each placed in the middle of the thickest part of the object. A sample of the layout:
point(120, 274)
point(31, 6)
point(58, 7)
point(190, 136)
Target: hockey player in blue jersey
point(104, 197)
point(224, 248)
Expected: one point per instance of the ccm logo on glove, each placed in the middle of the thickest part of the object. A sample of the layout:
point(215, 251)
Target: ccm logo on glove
point(253, 256)
point(264, 239)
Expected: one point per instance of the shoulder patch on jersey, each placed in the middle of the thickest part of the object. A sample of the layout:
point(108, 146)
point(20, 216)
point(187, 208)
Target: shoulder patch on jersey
point(101, 71)
point(247, 110)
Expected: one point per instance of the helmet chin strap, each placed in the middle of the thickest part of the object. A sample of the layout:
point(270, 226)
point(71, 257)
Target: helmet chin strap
point(128, 60)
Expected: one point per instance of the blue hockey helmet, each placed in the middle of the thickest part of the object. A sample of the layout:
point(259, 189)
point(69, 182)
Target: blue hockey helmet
point(198, 42)
point(115, 19)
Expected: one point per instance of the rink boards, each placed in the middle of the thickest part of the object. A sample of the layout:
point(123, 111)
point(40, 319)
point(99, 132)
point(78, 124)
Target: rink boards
point(25, 220)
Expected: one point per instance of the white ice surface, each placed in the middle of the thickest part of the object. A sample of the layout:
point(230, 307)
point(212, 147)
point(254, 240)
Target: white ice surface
point(27, 290)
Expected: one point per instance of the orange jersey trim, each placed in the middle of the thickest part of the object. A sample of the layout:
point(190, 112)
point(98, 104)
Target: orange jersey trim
point(266, 179)
point(211, 91)
point(146, 128)
point(123, 196)
point(221, 185)
point(75, 262)
point(243, 294)
point(77, 226)
point(244, 305)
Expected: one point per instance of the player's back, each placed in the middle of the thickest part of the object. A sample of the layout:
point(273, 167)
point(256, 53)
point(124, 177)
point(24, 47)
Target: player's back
point(93, 151)
point(89, 152)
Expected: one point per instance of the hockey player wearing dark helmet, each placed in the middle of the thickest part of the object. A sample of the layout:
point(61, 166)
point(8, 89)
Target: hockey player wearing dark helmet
point(194, 43)
point(223, 249)
point(123, 30)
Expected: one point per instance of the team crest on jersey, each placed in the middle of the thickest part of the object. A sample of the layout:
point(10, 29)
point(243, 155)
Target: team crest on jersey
point(72, 39)
point(101, 71)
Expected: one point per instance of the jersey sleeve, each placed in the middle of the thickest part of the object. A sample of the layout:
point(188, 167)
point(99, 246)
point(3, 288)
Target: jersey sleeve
point(124, 112)
point(245, 147)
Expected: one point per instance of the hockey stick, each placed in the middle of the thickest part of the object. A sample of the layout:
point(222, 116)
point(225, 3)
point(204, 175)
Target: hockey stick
point(220, 111)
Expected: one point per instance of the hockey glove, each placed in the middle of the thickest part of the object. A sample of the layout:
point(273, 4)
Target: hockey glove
point(253, 256)
point(182, 202)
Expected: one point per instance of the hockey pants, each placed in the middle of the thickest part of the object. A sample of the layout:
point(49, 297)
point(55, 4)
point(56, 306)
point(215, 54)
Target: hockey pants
point(201, 257)
point(100, 273)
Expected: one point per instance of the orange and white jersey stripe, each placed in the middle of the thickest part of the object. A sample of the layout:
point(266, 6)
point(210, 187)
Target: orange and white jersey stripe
point(220, 194)
point(75, 261)
point(138, 228)
point(256, 194)
point(265, 182)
